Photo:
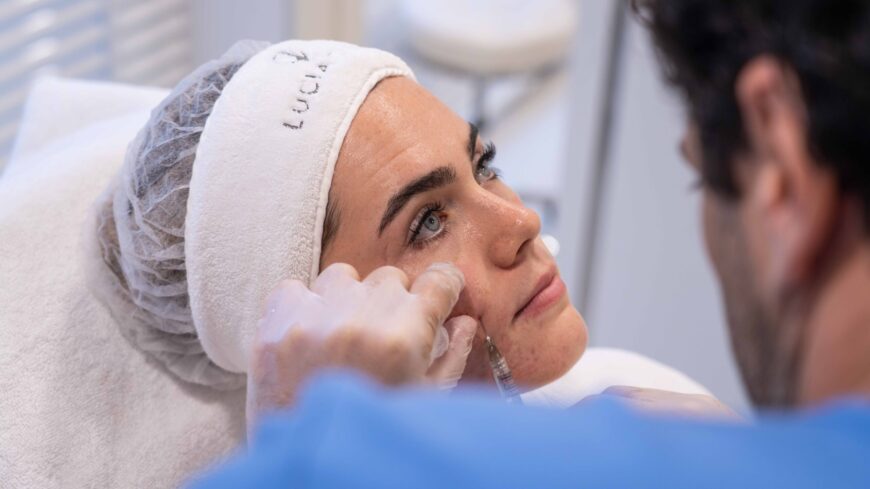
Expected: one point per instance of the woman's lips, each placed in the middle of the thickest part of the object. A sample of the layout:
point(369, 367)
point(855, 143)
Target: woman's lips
point(548, 291)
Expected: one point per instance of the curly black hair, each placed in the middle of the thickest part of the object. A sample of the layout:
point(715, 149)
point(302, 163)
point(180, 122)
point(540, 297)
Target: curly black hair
point(703, 45)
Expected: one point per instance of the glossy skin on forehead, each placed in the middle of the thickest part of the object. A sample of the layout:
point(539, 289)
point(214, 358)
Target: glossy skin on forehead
point(401, 133)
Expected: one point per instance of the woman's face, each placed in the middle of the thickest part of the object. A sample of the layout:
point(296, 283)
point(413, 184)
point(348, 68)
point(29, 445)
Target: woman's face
point(411, 188)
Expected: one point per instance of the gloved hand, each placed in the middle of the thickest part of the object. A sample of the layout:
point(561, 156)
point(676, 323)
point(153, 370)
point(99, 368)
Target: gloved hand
point(381, 326)
point(656, 400)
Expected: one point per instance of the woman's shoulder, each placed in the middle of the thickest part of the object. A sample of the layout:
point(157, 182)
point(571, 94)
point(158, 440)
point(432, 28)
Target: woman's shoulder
point(600, 368)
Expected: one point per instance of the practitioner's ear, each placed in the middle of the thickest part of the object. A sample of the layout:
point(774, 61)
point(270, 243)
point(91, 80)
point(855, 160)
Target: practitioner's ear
point(790, 200)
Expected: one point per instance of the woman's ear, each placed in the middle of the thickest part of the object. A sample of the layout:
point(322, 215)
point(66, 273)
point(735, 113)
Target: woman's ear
point(790, 199)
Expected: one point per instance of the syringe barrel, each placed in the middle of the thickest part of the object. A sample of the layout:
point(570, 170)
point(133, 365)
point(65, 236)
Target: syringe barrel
point(501, 373)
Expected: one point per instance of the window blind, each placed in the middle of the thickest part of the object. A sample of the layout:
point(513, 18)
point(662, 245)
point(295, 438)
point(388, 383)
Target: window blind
point(143, 42)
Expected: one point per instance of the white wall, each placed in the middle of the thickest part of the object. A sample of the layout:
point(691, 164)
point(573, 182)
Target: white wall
point(654, 291)
point(220, 23)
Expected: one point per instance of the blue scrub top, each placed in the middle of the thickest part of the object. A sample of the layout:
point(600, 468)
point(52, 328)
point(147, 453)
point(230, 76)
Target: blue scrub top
point(348, 433)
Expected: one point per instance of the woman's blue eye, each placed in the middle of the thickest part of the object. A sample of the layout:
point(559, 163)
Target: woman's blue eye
point(432, 223)
point(431, 226)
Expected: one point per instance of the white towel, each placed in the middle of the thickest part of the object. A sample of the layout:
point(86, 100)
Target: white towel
point(79, 407)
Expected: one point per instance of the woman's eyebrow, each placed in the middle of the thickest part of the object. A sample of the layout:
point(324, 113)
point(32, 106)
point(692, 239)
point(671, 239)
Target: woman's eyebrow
point(439, 177)
point(436, 178)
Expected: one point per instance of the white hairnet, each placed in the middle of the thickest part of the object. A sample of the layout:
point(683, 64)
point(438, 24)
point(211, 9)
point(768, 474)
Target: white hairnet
point(141, 224)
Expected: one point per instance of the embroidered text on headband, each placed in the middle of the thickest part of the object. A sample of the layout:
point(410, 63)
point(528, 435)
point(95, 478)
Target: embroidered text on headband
point(261, 181)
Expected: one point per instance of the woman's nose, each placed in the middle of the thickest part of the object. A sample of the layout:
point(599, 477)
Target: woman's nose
point(514, 230)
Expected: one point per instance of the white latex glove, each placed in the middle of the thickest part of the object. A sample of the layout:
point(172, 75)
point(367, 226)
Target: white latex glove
point(382, 326)
point(656, 400)
point(448, 361)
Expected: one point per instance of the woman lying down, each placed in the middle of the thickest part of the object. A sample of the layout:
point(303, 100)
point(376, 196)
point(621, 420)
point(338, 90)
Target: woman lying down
point(271, 163)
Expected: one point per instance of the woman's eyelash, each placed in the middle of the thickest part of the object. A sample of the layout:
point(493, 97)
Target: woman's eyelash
point(488, 154)
point(485, 160)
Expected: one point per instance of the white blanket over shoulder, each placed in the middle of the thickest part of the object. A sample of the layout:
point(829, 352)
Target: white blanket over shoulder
point(79, 407)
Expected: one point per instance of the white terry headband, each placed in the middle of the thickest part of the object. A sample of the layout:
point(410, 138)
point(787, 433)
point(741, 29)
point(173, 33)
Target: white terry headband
point(261, 180)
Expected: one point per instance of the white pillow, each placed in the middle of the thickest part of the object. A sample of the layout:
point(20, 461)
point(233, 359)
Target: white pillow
point(58, 107)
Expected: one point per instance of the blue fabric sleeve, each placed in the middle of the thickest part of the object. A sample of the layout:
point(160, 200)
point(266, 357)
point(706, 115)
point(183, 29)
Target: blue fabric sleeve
point(348, 433)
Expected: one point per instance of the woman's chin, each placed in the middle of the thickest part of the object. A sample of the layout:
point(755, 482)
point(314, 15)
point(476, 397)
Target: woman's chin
point(559, 347)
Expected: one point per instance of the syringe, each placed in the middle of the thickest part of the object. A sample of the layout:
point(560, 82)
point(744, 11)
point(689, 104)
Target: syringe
point(504, 380)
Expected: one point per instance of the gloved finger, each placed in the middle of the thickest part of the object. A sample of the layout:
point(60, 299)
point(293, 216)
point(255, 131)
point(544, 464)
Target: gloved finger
point(288, 297)
point(623, 391)
point(388, 274)
point(668, 401)
point(440, 344)
point(438, 287)
point(334, 277)
point(447, 370)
